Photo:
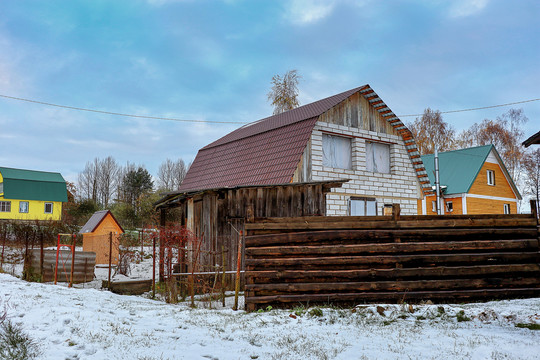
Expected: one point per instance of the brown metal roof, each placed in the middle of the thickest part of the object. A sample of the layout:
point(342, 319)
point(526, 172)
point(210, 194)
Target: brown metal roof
point(268, 151)
point(301, 113)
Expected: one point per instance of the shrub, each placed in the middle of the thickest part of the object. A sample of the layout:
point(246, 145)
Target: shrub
point(15, 344)
point(462, 317)
point(315, 312)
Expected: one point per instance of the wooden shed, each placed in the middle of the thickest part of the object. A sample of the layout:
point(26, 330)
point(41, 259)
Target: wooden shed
point(97, 234)
point(217, 215)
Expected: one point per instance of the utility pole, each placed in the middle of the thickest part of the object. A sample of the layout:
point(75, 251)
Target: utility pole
point(437, 183)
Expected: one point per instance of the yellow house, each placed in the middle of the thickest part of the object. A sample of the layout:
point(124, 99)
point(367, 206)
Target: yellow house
point(31, 195)
point(473, 180)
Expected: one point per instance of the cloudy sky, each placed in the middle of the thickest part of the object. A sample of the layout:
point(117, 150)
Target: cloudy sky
point(213, 61)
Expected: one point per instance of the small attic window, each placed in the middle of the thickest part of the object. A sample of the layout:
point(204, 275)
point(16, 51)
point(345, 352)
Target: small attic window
point(490, 177)
point(378, 157)
point(337, 152)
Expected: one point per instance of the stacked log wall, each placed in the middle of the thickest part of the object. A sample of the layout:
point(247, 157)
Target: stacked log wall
point(351, 260)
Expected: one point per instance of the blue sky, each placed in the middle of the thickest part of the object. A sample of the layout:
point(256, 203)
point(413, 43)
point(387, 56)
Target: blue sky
point(213, 60)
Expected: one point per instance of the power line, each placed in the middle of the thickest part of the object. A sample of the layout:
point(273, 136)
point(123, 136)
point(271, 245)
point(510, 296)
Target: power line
point(227, 122)
point(119, 114)
point(478, 108)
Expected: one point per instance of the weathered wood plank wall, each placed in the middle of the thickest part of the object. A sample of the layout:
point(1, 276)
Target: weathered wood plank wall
point(410, 258)
point(219, 215)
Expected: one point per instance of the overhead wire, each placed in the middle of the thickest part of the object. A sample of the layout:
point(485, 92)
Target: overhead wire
point(119, 114)
point(227, 122)
point(478, 108)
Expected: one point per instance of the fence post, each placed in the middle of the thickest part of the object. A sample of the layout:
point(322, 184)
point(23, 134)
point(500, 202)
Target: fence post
point(153, 267)
point(57, 253)
point(4, 236)
point(396, 212)
point(72, 261)
point(162, 223)
point(223, 275)
point(238, 266)
point(534, 209)
point(41, 255)
point(110, 260)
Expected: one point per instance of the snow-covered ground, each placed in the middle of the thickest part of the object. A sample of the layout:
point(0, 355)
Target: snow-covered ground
point(89, 323)
point(72, 323)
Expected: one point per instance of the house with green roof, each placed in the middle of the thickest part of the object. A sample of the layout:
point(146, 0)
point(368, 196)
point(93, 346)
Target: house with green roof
point(31, 195)
point(473, 180)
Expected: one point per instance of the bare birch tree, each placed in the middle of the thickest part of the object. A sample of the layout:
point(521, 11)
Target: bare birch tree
point(99, 180)
point(88, 181)
point(432, 131)
point(505, 133)
point(284, 92)
point(108, 179)
point(170, 174)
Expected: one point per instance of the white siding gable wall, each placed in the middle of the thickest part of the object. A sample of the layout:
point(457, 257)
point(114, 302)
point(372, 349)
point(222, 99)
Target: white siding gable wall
point(401, 186)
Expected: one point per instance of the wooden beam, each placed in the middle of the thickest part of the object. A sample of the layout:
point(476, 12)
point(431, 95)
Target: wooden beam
point(399, 248)
point(378, 235)
point(397, 296)
point(371, 274)
point(417, 259)
point(413, 285)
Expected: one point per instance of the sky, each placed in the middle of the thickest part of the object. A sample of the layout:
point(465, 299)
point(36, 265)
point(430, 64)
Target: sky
point(213, 61)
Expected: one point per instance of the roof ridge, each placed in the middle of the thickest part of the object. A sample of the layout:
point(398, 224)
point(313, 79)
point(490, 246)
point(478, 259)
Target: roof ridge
point(304, 112)
point(18, 169)
point(464, 149)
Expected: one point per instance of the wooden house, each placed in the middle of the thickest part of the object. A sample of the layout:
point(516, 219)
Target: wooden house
point(347, 154)
point(97, 234)
point(31, 195)
point(352, 135)
point(474, 181)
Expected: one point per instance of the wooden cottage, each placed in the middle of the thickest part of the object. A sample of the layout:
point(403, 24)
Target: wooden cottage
point(97, 234)
point(347, 154)
point(352, 135)
point(473, 180)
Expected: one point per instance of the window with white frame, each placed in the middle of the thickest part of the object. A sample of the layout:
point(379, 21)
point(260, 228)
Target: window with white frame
point(378, 157)
point(362, 207)
point(48, 208)
point(507, 208)
point(434, 206)
point(23, 207)
point(5, 206)
point(490, 177)
point(449, 206)
point(337, 151)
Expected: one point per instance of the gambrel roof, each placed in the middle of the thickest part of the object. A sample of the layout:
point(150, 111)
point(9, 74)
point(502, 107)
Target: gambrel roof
point(32, 185)
point(268, 151)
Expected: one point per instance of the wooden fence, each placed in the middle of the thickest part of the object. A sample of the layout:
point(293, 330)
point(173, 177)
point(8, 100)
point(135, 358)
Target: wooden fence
point(351, 260)
point(43, 270)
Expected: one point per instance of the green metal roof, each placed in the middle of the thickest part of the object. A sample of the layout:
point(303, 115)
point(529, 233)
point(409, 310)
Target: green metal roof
point(33, 185)
point(458, 168)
